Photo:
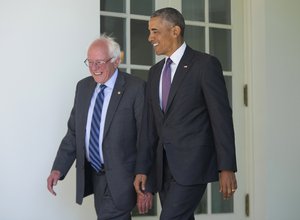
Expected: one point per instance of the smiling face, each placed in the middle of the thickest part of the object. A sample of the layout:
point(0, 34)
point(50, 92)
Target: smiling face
point(101, 63)
point(164, 36)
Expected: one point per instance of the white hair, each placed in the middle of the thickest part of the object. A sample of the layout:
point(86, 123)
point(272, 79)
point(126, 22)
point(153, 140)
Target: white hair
point(113, 47)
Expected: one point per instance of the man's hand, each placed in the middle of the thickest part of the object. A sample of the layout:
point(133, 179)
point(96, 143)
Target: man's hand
point(144, 202)
point(52, 181)
point(228, 184)
point(140, 184)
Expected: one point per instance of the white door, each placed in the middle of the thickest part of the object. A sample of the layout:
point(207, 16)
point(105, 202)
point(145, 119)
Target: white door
point(212, 26)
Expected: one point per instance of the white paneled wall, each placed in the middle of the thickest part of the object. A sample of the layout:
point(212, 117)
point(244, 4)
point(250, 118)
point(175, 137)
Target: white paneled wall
point(42, 48)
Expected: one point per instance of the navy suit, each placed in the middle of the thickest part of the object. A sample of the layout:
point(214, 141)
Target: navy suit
point(195, 133)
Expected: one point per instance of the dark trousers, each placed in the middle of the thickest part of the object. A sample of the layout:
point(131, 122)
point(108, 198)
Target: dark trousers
point(104, 204)
point(178, 202)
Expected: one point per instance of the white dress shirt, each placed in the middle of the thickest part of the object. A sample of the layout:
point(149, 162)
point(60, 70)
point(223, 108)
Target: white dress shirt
point(107, 95)
point(175, 57)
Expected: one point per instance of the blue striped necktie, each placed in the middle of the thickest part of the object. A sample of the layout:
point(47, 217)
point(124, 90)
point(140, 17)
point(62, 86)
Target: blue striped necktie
point(94, 147)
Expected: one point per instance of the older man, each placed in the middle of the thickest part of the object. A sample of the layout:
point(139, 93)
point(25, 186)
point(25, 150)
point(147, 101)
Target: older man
point(102, 134)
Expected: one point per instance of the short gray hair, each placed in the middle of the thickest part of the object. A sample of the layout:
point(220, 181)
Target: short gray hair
point(171, 15)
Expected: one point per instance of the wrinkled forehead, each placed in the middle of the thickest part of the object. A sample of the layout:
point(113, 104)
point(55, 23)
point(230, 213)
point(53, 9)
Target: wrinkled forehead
point(99, 49)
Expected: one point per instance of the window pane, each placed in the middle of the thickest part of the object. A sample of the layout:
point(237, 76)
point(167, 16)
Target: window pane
point(144, 8)
point(193, 10)
point(141, 50)
point(114, 27)
point(143, 74)
point(220, 46)
point(202, 206)
point(114, 6)
point(219, 11)
point(195, 37)
point(220, 205)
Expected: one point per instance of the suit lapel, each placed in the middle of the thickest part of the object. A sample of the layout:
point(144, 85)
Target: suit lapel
point(116, 96)
point(156, 80)
point(82, 105)
point(88, 92)
point(85, 99)
point(181, 72)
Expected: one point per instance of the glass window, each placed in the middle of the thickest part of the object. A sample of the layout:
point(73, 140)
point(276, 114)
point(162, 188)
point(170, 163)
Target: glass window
point(220, 205)
point(141, 50)
point(113, 6)
point(193, 10)
point(195, 37)
point(220, 46)
point(144, 8)
point(114, 27)
point(143, 74)
point(202, 206)
point(219, 11)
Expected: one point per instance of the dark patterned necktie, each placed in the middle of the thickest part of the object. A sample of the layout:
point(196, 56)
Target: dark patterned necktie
point(94, 147)
point(166, 83)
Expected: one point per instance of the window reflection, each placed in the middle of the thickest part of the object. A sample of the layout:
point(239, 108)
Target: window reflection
point(146, 8)
point(219, 11)
point(141, 50)
point(113, 6)
point(114, 27)
point(220, 205)
point(143, 74)
point(220, 46)
point(195, 37)
point(202, 206)
point(193, 10)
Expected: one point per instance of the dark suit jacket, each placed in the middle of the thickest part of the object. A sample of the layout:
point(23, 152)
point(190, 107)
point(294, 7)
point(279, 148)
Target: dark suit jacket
point(122, 125)
point(196, 130)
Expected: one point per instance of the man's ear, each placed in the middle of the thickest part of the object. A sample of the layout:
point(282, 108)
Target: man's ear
point(117, 62)
point(176, 31)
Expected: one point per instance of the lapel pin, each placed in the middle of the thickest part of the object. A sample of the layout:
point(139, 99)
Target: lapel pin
point(119, 93)
point(185, 66)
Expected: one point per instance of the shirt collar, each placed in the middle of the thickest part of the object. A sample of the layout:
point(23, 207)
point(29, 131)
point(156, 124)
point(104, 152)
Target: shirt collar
point(111, 82)
point(176, 56)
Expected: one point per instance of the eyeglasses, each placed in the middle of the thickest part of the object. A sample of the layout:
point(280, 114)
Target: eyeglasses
point(98, 63)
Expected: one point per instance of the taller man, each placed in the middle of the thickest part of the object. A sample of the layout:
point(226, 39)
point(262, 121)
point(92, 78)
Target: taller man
point(187, 129)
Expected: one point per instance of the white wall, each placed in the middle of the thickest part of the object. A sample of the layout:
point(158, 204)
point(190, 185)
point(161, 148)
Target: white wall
point(42, 47)
point(275, 75)
point(283, 108)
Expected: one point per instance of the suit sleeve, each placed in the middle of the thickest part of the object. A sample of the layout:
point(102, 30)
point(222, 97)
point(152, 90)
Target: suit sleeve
point(220, 114)
point(138, 107)
point(66, 153)
point(148, 137)
point(147, 142)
